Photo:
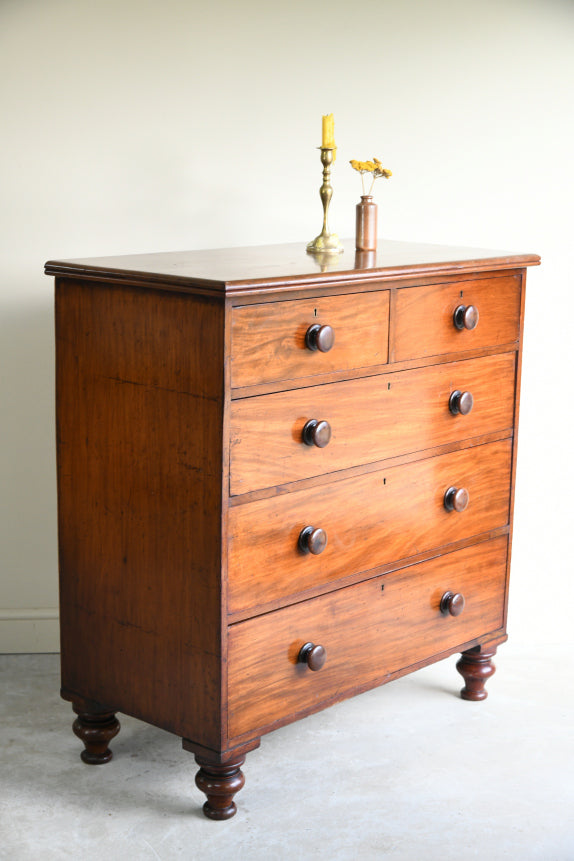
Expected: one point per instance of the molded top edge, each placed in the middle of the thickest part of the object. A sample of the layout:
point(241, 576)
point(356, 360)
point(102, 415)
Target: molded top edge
point(233, 270)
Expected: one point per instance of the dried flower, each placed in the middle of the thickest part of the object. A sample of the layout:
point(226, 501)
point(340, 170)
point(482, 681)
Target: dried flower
point(373, 167)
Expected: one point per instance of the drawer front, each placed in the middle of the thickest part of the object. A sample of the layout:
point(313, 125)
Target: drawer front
point(268, 341)
point(369, 521)
point(368, 633)
point(370, 418)
point(425, 317)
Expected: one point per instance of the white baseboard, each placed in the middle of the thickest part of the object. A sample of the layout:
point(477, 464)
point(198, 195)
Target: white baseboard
point(28, 631)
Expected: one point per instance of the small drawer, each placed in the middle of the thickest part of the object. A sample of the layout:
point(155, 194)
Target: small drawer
point(367, 521)
point(368, 633)
point(368, 419)
point(270, 342)
point(433, 320)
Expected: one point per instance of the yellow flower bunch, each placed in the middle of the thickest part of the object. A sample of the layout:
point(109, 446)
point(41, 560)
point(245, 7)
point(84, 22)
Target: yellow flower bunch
point(373, 167)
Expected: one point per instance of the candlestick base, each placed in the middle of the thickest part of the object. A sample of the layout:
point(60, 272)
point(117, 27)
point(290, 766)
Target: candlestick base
point(325, 243)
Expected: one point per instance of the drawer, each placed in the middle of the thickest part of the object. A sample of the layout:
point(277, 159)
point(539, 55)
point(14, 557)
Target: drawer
point(368, 632)
point(268, 341)
point(424, 321)
point(371, 419)
point(369, 521)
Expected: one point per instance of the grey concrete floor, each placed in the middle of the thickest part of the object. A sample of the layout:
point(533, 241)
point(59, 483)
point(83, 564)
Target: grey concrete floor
point(408, 771)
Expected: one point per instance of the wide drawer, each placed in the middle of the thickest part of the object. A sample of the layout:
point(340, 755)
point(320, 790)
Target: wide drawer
point(371, 419)
point(369, 521)
point(425, 317)
point(268, 340)
point(368, 632)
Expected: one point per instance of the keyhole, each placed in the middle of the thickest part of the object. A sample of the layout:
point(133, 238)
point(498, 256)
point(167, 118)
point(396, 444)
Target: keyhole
point(315, 311)
point(461, 294)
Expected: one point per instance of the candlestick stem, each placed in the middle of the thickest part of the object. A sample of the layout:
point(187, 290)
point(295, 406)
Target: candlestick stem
point(326, 242)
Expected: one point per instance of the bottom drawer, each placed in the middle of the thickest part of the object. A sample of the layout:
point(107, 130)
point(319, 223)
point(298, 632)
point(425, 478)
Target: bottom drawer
point(369, 631)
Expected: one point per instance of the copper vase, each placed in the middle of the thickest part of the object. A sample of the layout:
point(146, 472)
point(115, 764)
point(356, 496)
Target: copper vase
point(366, 229)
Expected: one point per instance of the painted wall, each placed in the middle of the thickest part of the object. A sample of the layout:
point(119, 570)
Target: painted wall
point(132, 126)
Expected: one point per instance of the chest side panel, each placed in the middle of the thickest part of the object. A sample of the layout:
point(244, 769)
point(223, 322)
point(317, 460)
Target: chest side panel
point(140, 430)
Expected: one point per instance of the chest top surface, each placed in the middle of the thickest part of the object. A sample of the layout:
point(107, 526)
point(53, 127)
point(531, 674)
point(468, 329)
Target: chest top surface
point(230, 271)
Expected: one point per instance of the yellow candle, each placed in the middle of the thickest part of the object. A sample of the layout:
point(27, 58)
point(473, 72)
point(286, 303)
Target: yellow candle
point(328, 131)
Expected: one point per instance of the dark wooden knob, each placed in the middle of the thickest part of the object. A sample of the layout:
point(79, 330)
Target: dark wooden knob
point(452, 603)
point(319, 338)
point(460, 403)
point(465, 317)
point(312, 655)
point(312, 540)
point(456, 499)
point(317, 433)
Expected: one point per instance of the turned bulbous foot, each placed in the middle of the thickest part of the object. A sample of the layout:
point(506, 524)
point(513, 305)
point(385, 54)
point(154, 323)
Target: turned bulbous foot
point(219, 783)
point(476, 667)
point(96, 730)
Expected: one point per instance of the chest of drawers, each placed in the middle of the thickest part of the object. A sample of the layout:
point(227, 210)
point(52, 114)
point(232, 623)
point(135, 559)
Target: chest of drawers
point(282, 481)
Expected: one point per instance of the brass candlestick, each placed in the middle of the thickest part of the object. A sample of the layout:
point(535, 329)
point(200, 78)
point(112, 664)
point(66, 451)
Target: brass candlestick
point(326, 243)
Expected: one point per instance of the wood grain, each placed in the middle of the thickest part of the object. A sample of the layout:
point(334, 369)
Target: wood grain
point(405, 516)
point(370, 418)
point(367, 632)
point(424, 316)
point(139, 465)
point(268, 340)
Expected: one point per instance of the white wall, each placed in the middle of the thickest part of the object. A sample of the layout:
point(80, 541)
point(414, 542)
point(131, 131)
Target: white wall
point(132, 126)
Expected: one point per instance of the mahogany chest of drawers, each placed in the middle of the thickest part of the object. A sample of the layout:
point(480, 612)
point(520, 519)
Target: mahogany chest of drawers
point(282, 481)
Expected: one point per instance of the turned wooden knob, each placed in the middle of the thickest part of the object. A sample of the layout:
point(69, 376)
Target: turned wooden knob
point(456, 499)
point(465, 317)
point(460, 403)
point(317, 433)
point(452, 603)
point(319, 338)
point(312, 540)
point(312, 655)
